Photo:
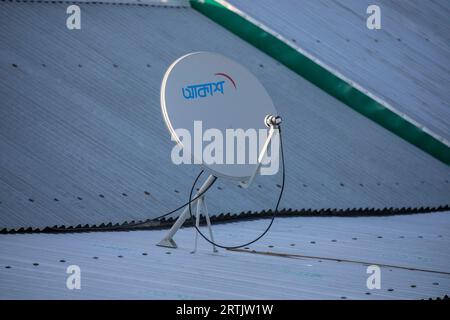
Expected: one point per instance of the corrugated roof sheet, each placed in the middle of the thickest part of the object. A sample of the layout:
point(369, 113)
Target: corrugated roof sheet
point(406, 62)
point(83, 141)
point(300, 258)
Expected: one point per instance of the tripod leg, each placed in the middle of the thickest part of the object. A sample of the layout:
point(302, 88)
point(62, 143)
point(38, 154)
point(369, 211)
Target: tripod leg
point(208, 221)
point(197, 222)
point(167, 241)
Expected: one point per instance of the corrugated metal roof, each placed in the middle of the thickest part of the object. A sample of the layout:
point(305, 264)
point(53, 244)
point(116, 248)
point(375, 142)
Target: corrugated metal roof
point(406, 62)
point(166, 3)
point(300, 258)
point(159, 3)
point(83, 142)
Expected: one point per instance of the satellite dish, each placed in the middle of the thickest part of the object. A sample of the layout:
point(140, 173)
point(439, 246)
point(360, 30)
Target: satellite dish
point(222, 94)
point(219, 94)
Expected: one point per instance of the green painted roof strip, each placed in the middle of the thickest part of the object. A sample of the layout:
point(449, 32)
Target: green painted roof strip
point(321, 77)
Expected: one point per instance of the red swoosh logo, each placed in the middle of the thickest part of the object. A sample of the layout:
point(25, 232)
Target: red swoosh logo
point(226, 76)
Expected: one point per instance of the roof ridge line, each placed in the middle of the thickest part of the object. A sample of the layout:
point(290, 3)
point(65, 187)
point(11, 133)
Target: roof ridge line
point(150, 224)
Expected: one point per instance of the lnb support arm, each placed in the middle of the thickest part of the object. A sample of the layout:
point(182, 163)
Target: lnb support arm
point(273, 123)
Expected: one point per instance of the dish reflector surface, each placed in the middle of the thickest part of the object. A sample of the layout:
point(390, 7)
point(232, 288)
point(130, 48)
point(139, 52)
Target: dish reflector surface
point(220, 93)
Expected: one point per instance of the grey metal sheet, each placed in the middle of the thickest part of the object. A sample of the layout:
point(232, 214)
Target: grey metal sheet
point(82, 139)
point(128, 265)
point(406, 63)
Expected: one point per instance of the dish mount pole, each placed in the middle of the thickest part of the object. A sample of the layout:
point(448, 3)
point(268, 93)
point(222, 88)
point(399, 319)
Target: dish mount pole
point(168, 241)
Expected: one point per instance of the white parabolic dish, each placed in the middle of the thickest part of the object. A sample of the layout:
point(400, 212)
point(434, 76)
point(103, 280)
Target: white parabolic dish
point(211, 88)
